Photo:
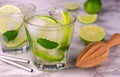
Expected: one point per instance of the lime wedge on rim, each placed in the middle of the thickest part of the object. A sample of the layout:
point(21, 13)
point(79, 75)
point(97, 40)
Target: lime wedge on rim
point(71, 6)
point(91, 33)
point(66, 21)
point(87, 19)
point(65, 18)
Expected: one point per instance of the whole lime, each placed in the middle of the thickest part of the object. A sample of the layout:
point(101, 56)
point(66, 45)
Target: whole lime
point(93, 6)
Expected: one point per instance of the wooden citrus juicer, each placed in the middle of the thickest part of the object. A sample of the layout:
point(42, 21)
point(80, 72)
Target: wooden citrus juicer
point(95, 53)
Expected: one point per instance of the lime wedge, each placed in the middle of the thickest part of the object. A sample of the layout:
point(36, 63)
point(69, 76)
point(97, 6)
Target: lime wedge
point(87, 19)
point(10, 9)
point(71, 6)
point(91, 33)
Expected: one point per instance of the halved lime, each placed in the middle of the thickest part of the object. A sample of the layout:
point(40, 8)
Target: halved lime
point(87, 19)
point(91, 33)
point(71, 6)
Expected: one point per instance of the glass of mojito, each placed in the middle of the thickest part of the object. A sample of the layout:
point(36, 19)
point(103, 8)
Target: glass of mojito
point(49, 37)
point(13, 36)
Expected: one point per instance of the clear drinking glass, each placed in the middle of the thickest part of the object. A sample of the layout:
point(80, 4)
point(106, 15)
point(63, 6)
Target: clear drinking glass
point(13, 36)
point(49, 42)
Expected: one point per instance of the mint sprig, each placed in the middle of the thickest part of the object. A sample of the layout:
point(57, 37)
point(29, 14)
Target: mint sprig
point(47, 43)
point(10, 35)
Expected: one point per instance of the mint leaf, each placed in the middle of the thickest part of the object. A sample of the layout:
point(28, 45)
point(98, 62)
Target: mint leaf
point(63, 48)
point(47, 43)
point(10, 35)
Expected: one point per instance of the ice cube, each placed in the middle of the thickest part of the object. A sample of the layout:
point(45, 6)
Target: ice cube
point(37, 21)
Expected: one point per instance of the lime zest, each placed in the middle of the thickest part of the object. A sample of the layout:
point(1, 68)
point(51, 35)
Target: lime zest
point(71, 6)
point(87, 19)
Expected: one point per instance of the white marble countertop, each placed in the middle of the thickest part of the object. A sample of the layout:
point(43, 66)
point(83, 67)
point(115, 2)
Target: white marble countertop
point(109, 19)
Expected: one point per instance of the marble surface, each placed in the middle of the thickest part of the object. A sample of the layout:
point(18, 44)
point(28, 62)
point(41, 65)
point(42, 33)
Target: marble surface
point(109, 19)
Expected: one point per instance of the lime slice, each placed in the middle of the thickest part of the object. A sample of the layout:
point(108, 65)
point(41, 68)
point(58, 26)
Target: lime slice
point(87, 19)
point(4, 19)
point(15, 43)
point(91, 33)
point(71, 6)
point(10, 9)
point(48, 55)
point(49, 19)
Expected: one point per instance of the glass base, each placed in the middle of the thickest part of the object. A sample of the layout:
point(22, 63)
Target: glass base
point(51, 67)
point(15, 50)
point(44, 65)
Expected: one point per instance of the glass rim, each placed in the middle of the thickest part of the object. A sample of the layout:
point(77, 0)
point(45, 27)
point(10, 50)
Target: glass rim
point(58, 25)
point(18, 3)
